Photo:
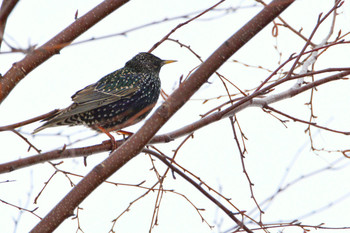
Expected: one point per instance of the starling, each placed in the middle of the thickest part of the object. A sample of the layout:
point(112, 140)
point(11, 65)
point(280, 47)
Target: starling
point(120, 99)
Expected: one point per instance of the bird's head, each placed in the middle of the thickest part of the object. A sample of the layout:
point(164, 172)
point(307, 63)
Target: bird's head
point(147, 62)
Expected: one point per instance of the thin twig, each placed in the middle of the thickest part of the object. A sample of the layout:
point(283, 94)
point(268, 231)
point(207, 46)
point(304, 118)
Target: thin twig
point(22, 209)
point(197, 186)
point(307, 122)
point(245, 171)
point(27, 141)
point(26, 122)
point(183, 24)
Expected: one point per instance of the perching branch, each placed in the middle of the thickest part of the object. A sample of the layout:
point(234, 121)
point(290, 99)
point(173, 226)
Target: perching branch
point(243, 103)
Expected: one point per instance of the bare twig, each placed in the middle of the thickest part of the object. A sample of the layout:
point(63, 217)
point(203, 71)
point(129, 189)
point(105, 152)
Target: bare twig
point(245, 171)
point(159, 197)
point(22, 209)
point(308, 42)
point(26, 122)
point(197, 186)
point(307, 122)
point(79, 229)
point(222, 78)
point(27, 141)
point(46, 183)
point(283, 187)
point(183, 24)
point(114, 221)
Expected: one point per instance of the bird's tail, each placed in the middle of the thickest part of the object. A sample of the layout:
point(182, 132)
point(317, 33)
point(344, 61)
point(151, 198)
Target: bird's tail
point(39, 129)
point(50, 122)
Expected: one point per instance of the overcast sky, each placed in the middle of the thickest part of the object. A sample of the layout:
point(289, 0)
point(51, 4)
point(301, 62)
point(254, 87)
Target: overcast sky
point(276, 155)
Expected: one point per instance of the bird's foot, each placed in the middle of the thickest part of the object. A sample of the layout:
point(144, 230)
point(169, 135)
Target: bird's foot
point(113, 142)
point(125, 133)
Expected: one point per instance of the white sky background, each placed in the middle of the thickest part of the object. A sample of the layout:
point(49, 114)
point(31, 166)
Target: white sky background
point(212, 153)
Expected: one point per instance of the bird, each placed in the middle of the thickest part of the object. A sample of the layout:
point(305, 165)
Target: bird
point(119, 99)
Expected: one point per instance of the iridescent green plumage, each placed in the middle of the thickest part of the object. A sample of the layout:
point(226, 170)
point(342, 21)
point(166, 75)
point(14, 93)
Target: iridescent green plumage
point(121, 98)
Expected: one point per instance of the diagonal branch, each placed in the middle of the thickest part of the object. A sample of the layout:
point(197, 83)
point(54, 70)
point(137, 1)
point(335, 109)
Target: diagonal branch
point(6, 8)
point(137, 141)
point(35, 58)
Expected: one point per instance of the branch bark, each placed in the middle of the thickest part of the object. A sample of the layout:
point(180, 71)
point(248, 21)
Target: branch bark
point(7, 7)
point(136, 142)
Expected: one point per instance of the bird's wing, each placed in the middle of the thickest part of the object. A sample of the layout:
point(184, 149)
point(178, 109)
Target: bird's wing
point(96, 94)
point(111, 88)
point(105, 92)
point(102, 93)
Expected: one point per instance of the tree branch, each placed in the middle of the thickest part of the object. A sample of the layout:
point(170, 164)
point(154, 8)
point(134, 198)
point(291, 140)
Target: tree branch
point(36, 57)
point(6, 8)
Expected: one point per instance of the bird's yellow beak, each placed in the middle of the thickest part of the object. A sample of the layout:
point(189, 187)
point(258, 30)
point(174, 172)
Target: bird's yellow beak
point(168, 61)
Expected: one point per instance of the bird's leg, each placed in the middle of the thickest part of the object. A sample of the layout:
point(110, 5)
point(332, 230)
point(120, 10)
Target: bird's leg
point(114, 145)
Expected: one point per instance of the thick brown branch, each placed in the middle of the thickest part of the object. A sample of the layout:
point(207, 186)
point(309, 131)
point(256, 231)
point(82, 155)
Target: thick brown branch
point(6, 8)
point(20, 69)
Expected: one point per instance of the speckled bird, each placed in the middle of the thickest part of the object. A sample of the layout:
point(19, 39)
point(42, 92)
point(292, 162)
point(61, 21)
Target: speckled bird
point(120, 99)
